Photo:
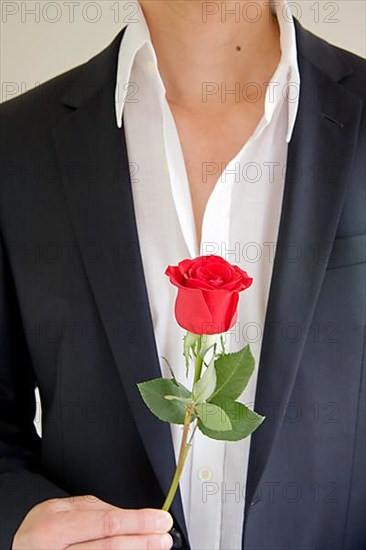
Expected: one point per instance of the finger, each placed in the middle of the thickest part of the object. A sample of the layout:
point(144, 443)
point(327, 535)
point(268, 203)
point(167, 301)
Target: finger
point(87, 525)
point(81, 502)
point(131, 542)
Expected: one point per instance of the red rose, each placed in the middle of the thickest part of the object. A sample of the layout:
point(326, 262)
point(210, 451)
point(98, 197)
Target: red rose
point(208, 293)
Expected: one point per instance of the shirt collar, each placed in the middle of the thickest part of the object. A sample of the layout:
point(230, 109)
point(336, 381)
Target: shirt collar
point(137, 39)
point(288, 63)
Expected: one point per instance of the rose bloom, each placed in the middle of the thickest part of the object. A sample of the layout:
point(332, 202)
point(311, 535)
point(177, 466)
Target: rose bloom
point(208, 293)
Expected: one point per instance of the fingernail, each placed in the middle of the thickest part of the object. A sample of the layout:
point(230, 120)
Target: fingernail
point(166, 542)
point(164, 521)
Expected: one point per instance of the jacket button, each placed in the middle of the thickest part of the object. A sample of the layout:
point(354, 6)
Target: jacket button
point(177, 538)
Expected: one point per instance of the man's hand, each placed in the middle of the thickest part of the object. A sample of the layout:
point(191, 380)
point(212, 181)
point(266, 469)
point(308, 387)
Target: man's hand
point(88, 523)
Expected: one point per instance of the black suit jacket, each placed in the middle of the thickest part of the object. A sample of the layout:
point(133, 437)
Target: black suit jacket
point(75, 318)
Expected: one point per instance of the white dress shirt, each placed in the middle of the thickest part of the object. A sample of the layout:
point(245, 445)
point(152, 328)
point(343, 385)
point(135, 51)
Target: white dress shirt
point(240, 223)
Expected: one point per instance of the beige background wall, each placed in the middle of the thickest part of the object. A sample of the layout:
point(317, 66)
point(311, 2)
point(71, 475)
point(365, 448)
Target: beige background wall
point(40, 39)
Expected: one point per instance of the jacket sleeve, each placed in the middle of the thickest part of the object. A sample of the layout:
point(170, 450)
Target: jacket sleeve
point(22, 484)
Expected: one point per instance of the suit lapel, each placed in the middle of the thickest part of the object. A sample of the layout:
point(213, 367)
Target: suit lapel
point(319, 161)
point(95, 172)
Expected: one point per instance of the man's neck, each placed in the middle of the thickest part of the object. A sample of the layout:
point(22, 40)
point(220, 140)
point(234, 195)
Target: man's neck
point(199, 42)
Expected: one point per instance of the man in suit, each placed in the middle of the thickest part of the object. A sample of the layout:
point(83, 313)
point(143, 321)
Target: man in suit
point(85, 314)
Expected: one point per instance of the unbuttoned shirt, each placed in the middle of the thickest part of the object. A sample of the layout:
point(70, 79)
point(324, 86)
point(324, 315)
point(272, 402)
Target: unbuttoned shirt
point(240, 223)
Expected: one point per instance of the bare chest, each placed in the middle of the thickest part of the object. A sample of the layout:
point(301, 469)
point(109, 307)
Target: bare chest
point(208, 145)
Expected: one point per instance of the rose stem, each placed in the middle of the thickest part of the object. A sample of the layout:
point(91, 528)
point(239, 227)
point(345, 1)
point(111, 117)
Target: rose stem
point(184, 446)
point(199, 362)
point(183, 452)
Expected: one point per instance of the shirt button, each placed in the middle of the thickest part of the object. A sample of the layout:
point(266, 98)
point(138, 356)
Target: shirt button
point(205, 474)
point(151, 67)
point(289, 75)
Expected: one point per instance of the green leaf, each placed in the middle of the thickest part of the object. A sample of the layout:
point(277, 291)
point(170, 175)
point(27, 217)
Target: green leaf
point(233, 371)
point(243, 421)
point(153, 393)
point(176, 398)
point(205, 386)
point(213, 417)
point(190, 343)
